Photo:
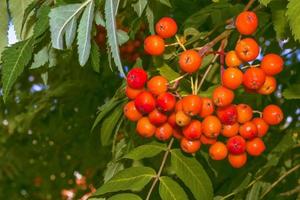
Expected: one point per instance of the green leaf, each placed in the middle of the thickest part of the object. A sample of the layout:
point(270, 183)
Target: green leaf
point(105, 109)
point(99, 20)
point(63, 22)
point(292, 92)
point(279, 20)
point(17, 9)
point(109, 124)
point(208, 92)
point(292, 13)
point(95, 56)
point(190, 171)
point(122, 37)
point(42, 22)
point(14, 59)
point(146, 151)
point(134, 179)
point(165, 2)
point(150, 19)
point(52, 58)
point(139, 7)
point(112, 36)
point(84, 33)
point(254, 192)
point(27, 11)
point(265, 2)
point(3, 26)
point(168, 72)
point(171, 190)
point(44, 77)
point(125, 196)
point(112, 169)
point(40, 58)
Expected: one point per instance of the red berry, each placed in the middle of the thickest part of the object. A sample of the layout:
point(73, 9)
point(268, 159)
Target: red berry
point(136, 78)
point(193, 130)
point(236, 145)
point(227, 114)
point(166, 102)
point(145, 102)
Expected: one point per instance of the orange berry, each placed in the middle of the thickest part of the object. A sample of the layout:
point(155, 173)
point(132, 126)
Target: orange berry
point(218, 151)
point(190, 146)
point(157, 85)
point(232, 60)
point(190, 61)
point(206, 140)
point(154, 45)
point(182, 119)
point(248, 130)
point(261, 125)
point(269, 86)
point(272, 114)
point(246, 23)
point(211, 126)
point(232, 78)
point(247, 49)
point(230, 130)
point(207, 107)
point(178, 105)
point(193, 130)
point(131, 112)
point(244, 113)
point(157, 118)
point(254, 78)
point(164, 132)
point(222, 96)
point(172, 119)
point(144, 127)
point(272, 64)
point(237, 161)
point(255, 147)
point(166, 27)
point(132, 93)
point(145, 102)
point(192, 104)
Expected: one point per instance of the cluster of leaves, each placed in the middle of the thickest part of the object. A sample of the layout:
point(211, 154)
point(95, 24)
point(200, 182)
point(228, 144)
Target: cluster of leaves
point(47, 30)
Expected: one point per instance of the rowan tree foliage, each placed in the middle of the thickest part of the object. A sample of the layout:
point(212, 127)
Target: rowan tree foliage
point(63, 91)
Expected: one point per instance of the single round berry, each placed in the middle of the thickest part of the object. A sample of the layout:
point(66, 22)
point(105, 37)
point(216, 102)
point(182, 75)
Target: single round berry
point(166, 27)
point(232, 60)
point(227, 114)
point(272, 64)
point(237, 161)
point(190, 146)
point(131, 112)
point(164, 132)
point(255, 147)
point(254, 78)
point(218, 151)
point(190, 61)
point(211, 126)
point(247, 49)
point(166, 102)
point(132, 93)
point(230, 130)
point(145, 102)
point(144, 127)
point(157, 85)
point(269, 86)
point(232, 78)
point(248, 130)
point(154, 45)
point(261, 125)
point(207, 107)
point(157, 118)
point(244, 113)
point(236, 145)
point(192, 104)
point(182, 119)
point(246, 23)
point(193, 130)
point(136, 78)
point(272, 114)
point(222, 96)
point(207, 140)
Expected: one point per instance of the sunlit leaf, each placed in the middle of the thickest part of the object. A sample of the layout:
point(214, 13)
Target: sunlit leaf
point(292, 13)
point(40, 58)
point(292, 92)
point(170, 189)
point(146, 151)
point(124, 196)
point(139, 7)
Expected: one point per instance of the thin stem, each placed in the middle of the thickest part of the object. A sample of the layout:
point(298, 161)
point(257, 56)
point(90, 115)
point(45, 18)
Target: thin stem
point(258, 112)
point(172, 44)
point(179, 42)
point(247, 66)
point(249, 4)
point(178, 78)
point(192, 85)
point(160, 169)
point(280, 179)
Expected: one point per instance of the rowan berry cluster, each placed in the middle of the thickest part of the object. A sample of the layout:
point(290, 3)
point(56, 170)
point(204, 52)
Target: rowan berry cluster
point(230, 130)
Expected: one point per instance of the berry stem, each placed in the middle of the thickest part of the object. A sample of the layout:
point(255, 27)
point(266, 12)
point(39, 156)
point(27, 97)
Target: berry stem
point(180, 43)
point(258, 112)
point(160, 168)
point(247, 66)
point(178, 78)
point(172, 44)
point(249, 4)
